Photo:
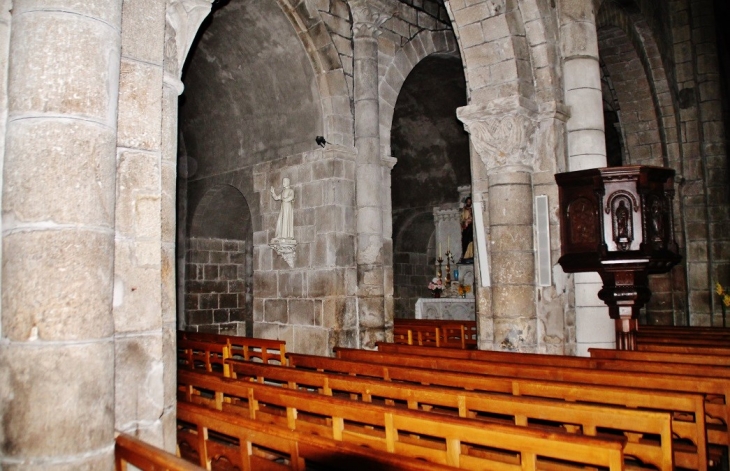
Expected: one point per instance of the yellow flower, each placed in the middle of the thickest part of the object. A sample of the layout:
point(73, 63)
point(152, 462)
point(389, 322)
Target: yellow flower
point(726, 300)
point(718, 289)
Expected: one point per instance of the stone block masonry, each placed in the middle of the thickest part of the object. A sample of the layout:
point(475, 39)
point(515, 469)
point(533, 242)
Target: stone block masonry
point(218, 287)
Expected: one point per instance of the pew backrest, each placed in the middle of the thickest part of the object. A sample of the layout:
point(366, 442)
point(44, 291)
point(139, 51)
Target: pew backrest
point(400, 426)
point(523, 411)
point(667, 357)
point(688, 409)
point(247, 348)
point(715, 390)
point(599, 363)
point(145, 457)
point(298, 449)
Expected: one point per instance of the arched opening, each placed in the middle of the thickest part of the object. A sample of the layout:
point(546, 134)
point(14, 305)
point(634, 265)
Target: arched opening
point(251, 108)
point(432, 149)
point(219, 264)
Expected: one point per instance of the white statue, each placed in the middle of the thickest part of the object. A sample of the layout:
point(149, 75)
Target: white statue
point(285, 223)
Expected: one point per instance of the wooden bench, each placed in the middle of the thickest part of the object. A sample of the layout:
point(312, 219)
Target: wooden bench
point(247, 348)
point(458, 442)
point(565, 361)
point(687, 409)
point(640, 426)
point(129, 450)
point(209, 436)
point(206, 356)
point(692, 340)
point(680, 329)
point(715, 390)
point(435, 333)
point(681, 348)
point(667, 357)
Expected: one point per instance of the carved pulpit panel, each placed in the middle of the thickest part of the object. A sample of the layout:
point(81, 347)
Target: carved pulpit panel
point(618, 222)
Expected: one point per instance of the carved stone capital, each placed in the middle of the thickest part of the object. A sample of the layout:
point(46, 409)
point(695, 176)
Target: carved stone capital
point(502, 131)
point(183, 19)
point(369, 15)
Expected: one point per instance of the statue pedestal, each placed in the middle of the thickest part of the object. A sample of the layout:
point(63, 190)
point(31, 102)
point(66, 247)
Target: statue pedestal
point(458, 309)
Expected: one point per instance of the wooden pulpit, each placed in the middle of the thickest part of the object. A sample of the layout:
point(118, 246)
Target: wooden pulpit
point(618, 221)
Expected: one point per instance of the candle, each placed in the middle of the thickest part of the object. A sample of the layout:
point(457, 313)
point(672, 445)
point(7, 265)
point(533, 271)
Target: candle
point(439, 249)
point(448, 243)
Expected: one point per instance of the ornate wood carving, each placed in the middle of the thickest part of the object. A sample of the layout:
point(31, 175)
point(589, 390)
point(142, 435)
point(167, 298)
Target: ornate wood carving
point(582, 222)
point(633, 234)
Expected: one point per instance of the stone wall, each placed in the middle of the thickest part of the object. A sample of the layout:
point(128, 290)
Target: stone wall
point(218, 295)
point(310, 305)
point(411, 275)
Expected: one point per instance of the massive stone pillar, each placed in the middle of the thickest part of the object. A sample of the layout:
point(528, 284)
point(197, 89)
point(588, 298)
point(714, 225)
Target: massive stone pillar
point(368, 16)
point(586, 149)
point(501, 132)
point(57, 350)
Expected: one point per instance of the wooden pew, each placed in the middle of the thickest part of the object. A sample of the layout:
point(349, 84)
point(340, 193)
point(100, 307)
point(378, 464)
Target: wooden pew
point(129, 450)
point(577, 418)
point(206, 356)
point(209, 436)
point(688, 409)
point(458, 442)
point(680, 329)
point(247, 348)
point(668, 357)
point(681, 348)
point(691, 340)
point(435, 333)
point(715, 390)
point(565, 361)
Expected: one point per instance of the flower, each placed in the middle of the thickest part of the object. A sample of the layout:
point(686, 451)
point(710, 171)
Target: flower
point(723, 294)
point(436, 284)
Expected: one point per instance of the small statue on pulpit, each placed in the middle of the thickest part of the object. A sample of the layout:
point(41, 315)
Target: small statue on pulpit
point(467, 232)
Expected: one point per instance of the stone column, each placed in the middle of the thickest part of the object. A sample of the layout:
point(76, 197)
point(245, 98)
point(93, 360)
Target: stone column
point(368, 16)
point(502, 132)
point(586, 149)
point(389, 313)
point(57, 351)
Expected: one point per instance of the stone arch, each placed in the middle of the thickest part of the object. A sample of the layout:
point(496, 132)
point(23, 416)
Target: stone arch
point(648, 116)
point(646, 50)
point(540, 26)
point(327, 64)
point(637, 112)
point(493, 45)
point(222, 199)
point(422, 45)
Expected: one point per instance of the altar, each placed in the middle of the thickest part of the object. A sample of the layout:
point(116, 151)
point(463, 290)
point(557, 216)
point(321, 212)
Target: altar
point(459, 309)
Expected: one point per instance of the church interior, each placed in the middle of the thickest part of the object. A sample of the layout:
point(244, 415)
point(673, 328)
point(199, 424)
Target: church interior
point(364, 234)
